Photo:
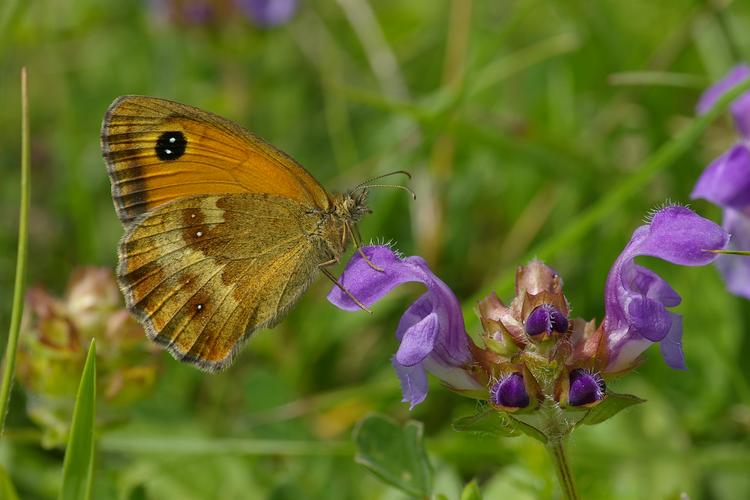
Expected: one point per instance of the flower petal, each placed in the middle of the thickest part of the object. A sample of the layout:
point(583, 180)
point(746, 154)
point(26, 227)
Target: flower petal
point(413, 383)
point(735, 269)
point(671, 346)
point(651, 285)
point(740, 107)
point(726, 182)
point(648, 318)
point(418, 341)
point(367, 284)
point(680, 236)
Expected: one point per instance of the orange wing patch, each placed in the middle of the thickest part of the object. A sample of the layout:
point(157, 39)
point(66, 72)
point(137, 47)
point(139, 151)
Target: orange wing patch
point(158, 151)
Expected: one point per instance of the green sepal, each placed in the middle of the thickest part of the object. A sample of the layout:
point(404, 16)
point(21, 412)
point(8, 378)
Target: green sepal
point(609, 407)
point(487, 422)
point(394, 453)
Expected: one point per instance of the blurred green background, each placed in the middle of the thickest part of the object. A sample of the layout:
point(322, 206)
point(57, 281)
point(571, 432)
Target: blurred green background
point(514, 118)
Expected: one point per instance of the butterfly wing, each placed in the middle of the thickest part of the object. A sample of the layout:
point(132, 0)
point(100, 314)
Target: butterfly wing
point(202, 273)
point(158, 151)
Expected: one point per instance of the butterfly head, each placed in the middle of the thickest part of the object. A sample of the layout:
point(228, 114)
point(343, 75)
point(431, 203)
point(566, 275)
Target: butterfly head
point(352, 206)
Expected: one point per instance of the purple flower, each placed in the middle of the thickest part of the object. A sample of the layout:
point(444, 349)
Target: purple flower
point(431, 331)
point(740, 107)
point(268, 13)
point(636, 298)
point(726, 182)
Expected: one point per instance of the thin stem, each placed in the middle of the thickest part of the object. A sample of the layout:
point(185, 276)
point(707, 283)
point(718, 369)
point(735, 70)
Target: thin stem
point(23, 230)
point(556, 450)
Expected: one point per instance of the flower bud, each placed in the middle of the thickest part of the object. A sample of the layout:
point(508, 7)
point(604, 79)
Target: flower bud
point(585, 388)
point(510, 392)
point(546, 319)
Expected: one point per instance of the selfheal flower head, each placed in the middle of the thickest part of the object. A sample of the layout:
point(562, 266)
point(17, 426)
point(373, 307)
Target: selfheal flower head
point(431, 331)
point(636, 298)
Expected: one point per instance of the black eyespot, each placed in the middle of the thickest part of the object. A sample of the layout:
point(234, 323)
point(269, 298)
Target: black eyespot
point(171, 145)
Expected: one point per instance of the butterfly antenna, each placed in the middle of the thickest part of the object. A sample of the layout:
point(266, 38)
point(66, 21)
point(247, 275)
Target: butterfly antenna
point(378, 177)
point(395, 186)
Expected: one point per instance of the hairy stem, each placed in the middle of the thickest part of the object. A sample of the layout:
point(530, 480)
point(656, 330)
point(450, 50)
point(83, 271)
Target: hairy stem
point(556, 450)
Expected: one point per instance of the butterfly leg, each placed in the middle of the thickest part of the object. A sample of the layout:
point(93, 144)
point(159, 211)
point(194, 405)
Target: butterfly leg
point(341, 287)
point(357, 238)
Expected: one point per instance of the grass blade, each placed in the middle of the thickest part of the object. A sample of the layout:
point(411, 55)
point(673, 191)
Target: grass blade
point(79, 455)
point(23, 233)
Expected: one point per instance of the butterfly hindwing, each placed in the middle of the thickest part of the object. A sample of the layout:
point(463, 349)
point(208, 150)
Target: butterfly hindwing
point(202, 273)
point(158, 151)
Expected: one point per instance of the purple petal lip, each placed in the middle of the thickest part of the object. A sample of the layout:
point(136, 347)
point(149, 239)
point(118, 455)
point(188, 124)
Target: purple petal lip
point(735, 269)
point(431, 331)
point(636, 298)
point(585, 388)
point(510, 392)
point(726, 181)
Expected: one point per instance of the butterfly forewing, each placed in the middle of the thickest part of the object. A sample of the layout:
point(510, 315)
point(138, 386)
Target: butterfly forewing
point(158, 151)
point(202, 273)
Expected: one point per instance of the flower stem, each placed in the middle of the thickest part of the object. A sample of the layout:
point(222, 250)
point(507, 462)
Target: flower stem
point(23, 230)
point(556, 450)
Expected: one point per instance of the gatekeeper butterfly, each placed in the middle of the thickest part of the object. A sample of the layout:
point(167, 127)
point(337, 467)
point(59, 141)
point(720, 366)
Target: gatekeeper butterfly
point(223, 232)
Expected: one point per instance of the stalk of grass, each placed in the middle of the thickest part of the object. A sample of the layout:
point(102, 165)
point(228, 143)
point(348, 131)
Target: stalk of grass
point(78, 465)
point(23, 232)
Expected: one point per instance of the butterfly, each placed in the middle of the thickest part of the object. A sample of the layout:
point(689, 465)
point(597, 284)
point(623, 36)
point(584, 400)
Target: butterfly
point(223, 232)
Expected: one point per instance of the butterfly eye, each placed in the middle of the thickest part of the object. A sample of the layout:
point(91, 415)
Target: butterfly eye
point(170, 145)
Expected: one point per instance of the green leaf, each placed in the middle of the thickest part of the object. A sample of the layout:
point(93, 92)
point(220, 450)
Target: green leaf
point(528, 429)
point(471, 492)
point(11, 347)
point(7, 490)
point(488, 422)
point(79, 455)
point(609, 407)
point(394, 453)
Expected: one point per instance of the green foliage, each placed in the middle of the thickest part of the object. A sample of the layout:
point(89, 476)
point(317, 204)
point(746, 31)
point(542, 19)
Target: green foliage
point(7, 490)
point(78, 467)
point(486, 422)
point(394, 453)
point(612, 405)
point(471, 492)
